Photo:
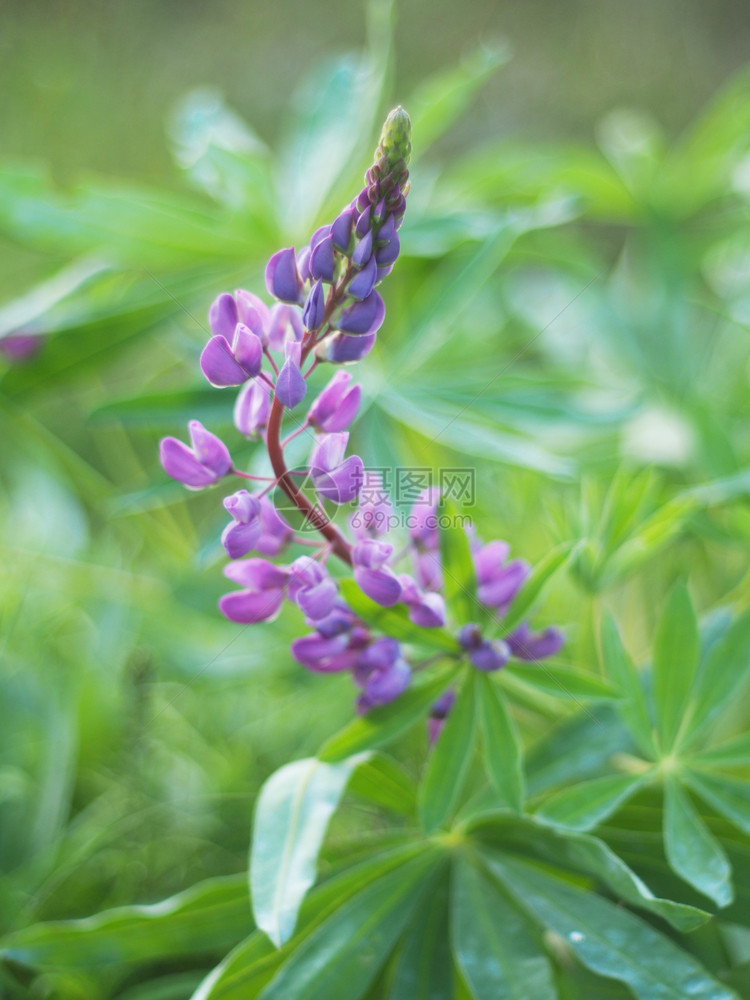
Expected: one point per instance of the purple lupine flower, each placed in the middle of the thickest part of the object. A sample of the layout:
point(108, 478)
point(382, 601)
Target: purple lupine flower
point(263, 592)
point(291, 387)
point(372, 517)
point(226, 364)
point(365, 317)
point(388, 254)
point(341, 229)
point(311, 588)
point(252, 407)
point(498, 582)
point(373, 577)
point(364, 281)
point(283, 280)
point(438, 714)
point(336, 643)
point(363, 250)
point(315, 307)
point(485, 654)
point(382, 673)
point(322, 259)
point(242, 533)
point(337, 405)
point(202, 465)
point(285, 323)
point(277, 533)
point(423, 522)
point(527, 645)
point(254, 313)
point(428, 569)
point(341, 348)
point(334, 477)
point(426, 609)
point(223, 316)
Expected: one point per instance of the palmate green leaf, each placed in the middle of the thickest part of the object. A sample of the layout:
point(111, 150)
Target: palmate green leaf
point(676, 649)
point(382, 725)
point(424, 967)
point(343, 954)
point(503, 758)
point(732, 753)
point(606, 938)
point(584, 806)
point(292, 814)
point(722, 674)
point(692, 851)
point(204, 919)
point(582, 853)
point(380, 779)
point(730, 798)
point(494, 946)
point(457, 564)
point(449, 761)
point(620, 669)
point(562, 682)
point(394, 621)
point(540, 576)
point(441, 99)
point(461, 429)
point(251, 965)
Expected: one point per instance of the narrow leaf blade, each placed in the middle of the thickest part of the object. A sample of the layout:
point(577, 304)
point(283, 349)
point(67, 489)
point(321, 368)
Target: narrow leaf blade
point(675, 661)
point(502, 747)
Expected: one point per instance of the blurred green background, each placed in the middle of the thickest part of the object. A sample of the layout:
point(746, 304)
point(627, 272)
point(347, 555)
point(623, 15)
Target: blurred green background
point(577, 232)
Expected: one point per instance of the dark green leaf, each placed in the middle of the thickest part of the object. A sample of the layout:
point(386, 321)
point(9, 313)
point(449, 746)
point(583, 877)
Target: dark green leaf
point(729, 798)
point(494, 945)
point(721, 676)
point(584, 806)
point(675, 661)
point(691, 850)
point(607, 939)
point(561, 681)
point(424, 968)
point(449, 760)
point(502, 747)
point(383, 781)
point(620, 669)
point(459, 578)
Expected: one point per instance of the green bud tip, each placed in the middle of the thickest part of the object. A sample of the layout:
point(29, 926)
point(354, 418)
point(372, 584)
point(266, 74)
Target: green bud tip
point(395, 139)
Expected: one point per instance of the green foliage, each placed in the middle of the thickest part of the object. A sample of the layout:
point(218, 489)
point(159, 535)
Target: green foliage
point(569, 321)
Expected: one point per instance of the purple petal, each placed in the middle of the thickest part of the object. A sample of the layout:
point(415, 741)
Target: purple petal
point(253, 312)
point(247, 608)
point(328, 451)
point(363, 222)
point(209, 450)
point(303, 264)
point(285, 323)
point(238, 538)
point(324, 655)
point(503, 586)
point(252, 408)
point(322, 260)
point(428, 611)
point(341, 348)
point(379, 655)
point(243, 506)
point(363, 317)
point(318, 601)
point(363, 250)
point(388, 254)
point(222, 316)
point(341, 230)
point(489, 558)
point(337, 404)
point(364, 281)
point(257, 574)
point(371, 554)
point(315, 307)
point(384, 686)
point(342, 484)
point(290, 385)
point(179, 462)
point(428, 569)
point(247, 349)
point(276, 531)
point(282, 278)
point(535, 646)
point(219, 365)
point(380, 585)
point(491, 655)
point(387, 231)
